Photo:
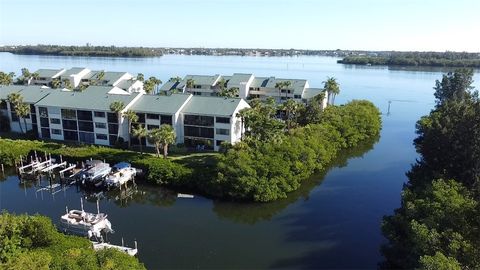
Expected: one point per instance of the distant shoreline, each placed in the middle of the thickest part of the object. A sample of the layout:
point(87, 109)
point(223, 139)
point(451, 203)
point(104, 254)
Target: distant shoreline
point(438, 60)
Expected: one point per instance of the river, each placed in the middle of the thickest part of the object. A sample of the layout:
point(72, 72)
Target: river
point(333, 221)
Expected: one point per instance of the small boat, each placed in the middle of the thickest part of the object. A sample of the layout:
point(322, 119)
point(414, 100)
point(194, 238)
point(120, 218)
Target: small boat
point(94, 173)
point(121, 173)
point(183, 195)
point(102, 245)
point(85, 223)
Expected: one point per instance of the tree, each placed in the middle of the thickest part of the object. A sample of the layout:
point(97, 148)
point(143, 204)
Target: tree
point(332, 87)
point(26, 75)
point(291, 109)
point(116, 107)
point(6, 79)
point(243, 113)
point(175, 79)
point(23, 111)
point(67, 84)
point(229, 93)
point(140, 77)
point(132, 117)
point(16, 101)
point(283, 86)
point(454, 86)
point(151, 85)
point(162, 137)
point(55, 83)
point(190, 83)
point(140, 132)
point(221, 85)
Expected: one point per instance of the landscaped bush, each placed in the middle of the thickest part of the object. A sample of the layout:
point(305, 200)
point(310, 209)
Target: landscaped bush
point(32, 242)
point(268, 170)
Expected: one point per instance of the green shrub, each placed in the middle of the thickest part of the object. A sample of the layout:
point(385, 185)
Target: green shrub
point(32, 242)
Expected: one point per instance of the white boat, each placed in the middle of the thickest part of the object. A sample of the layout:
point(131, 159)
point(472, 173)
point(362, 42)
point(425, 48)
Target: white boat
point(94, 173)
point(84, 223)
point(121, 173)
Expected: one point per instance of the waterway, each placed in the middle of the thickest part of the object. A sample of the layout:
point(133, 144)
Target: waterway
point(333, 221)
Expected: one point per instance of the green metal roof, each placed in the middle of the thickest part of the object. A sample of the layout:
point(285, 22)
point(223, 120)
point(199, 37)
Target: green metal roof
point(295, 84)
point(92, 98)
point(72, 71)
point(30, 93)
point(311, 92)
point(112, 76)
point(238, 78)
point(259, 82)
point(170, 85)
point(160, 104)
point(48, 73)
point(211, 106)
point(201, 79)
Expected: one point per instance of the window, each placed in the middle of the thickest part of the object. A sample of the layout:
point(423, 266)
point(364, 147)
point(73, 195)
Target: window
point(150, 127)
point(69, 124)
point(45, 133)
point(54, 121)
point(196, 120)
point(86, 137)
point(224, 120)
point(223, 131)
point(99, 114)
point(100, 125)
point(14, 116)
point(85, 126)
point(219, 142)
point(43, 111)
point(3, 105)
point(84, 115)
point(69, 135)
point(112, 128)
point(112, 118)
point(56, 131)
point(44, 122)
point(198, 132)
point(68, 114)
point(32, 109)
point(165, 119)
point(100, 136)
point(153, 116)
point(297, 96)
point(141, 117)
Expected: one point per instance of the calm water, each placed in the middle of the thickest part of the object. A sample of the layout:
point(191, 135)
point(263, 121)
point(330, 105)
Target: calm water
point(333, 221)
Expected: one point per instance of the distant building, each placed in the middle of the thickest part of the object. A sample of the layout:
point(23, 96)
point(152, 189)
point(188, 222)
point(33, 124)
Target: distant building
point(248, 85)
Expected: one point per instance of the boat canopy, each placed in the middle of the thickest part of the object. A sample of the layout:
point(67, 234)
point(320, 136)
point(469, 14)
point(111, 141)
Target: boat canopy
point(122, 165)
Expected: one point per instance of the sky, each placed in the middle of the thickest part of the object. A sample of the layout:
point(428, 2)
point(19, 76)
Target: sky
point(402, 25)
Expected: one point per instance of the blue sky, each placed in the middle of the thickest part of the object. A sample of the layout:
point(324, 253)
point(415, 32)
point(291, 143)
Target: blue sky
point(307, 24)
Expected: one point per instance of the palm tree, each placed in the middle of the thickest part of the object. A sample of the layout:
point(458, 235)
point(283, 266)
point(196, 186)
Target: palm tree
point(230, 93)
point(140, 132)
point(67, 84)
point(190, 83)
point(23, 111)
point(291, 108)
point(25, 76)
point(175, 79)
point(15, 99)
point(117, 107)
point(132, 117)
point(282, 86)
point(243, 113)
point(332, 88)
point(56, 83)
point(140, 77)
point(6, 79)
point(162, 137)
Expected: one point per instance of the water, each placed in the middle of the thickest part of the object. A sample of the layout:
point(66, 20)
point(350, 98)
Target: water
point(333, 221)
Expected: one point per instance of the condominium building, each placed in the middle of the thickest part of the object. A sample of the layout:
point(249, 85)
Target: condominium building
point(85, 116)
point(200, 118)
point(247, 85)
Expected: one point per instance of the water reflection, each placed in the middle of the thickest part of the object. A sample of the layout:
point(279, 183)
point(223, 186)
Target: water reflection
point(251, 213)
